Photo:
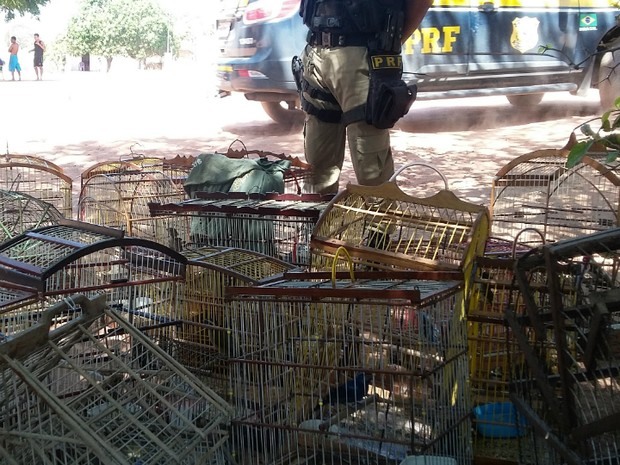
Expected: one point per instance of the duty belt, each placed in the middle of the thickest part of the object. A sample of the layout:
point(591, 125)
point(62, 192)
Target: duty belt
point(331, 39)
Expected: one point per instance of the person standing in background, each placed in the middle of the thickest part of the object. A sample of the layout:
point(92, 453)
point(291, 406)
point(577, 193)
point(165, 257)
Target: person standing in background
point(39, 48)
point(13, 61)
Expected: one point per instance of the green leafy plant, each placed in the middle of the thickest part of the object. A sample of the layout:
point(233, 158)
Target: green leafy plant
point(598, 135)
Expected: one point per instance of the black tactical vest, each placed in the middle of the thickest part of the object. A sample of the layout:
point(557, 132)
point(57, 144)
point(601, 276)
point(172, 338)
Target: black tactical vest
point(364, 17)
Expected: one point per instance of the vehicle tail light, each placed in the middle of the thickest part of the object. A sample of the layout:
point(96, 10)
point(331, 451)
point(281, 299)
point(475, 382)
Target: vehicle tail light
point(269, 10)
point(250, 73)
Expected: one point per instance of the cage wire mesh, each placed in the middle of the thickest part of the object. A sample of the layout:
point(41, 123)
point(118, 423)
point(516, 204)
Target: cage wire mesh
point(297, 179)
point(20, 212)
point(93, 389)
point(537, 190)
point(383, 228)
point(331, 370)
point(141, 279)
point(38, 178)
point(494, 355)
point(119, 197)
point(569, 391)
point(276, 225)
point(202, 338)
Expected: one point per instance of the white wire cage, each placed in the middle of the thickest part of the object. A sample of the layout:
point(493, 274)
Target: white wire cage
point(329, 370)
point(117, 195)
point(536, 191)
point(202, 337)
point(38, 178)
point(84, 386)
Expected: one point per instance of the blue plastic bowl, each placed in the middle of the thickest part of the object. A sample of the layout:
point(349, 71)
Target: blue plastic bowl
point(499, 420)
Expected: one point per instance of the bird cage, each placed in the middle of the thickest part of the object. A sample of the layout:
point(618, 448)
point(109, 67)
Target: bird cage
point(176, 168)
point(277, 225)
point(383, 228)
point(21, 212)
point(202, 338)
point(84, 386)
point(38, 178)
point(297, 178)
point(329, 369)
point(119, 197)
point(569, 391)
point(140, 278)
point(494, 355)
point(538, 191)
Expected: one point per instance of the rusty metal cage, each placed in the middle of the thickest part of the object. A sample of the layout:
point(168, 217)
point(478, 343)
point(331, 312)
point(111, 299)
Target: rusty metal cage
point(140, 278)
point(203, 336)
point(38, 178)
point(84, 386)
point(567, 331)
point(277, 225)
point(537, 190)
point(333, 370)
point(20, 212)
point(383, 228)
point(118, 196)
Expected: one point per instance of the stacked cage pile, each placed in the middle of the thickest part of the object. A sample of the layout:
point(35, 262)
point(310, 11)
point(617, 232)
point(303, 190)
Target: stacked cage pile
point(277, 225)
point(38, 178)
point(567, 331)
point(537, 190)
point(84, 386)
point(331, 369)
point(20, 212)
point(382, 228)
point(116, 194)
point(202, 339)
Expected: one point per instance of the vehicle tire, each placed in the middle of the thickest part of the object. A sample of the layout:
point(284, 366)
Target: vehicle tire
point(287, 113)
point(609, 78)
point(525, 100)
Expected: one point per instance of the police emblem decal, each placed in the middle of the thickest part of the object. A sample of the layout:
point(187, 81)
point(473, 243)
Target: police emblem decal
point(524, 33)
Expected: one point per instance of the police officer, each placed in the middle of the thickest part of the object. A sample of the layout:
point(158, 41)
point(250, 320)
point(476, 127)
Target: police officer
point(350, 82)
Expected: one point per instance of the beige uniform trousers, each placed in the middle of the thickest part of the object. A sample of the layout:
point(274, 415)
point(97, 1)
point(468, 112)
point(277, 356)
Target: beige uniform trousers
point(343, 72)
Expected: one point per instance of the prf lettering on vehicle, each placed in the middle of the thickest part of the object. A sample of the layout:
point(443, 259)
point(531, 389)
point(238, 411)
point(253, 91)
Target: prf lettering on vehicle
point(454, 24)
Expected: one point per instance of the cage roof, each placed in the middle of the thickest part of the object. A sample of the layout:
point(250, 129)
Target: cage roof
point(30, 258)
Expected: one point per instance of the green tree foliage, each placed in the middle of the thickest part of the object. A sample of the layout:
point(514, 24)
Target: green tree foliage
point(11, 7)
point(133, 28)
point(599, 135)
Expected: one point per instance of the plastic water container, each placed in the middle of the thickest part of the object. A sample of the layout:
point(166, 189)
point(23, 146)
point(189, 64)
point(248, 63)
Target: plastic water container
point(499, 420)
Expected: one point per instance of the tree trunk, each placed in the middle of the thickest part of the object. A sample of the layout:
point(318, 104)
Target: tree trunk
point(85, 64)
point(108, 61)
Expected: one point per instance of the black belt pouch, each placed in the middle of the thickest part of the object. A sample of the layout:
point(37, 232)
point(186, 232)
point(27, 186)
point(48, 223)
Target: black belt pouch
point(389, 97)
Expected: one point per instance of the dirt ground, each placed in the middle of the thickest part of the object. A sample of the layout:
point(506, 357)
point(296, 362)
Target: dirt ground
point(78, 119)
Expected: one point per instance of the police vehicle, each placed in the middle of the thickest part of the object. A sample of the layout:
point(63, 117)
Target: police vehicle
point(464, 48)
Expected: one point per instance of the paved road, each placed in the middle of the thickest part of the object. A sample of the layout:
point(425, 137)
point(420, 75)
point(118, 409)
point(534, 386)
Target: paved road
point(77, 119)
